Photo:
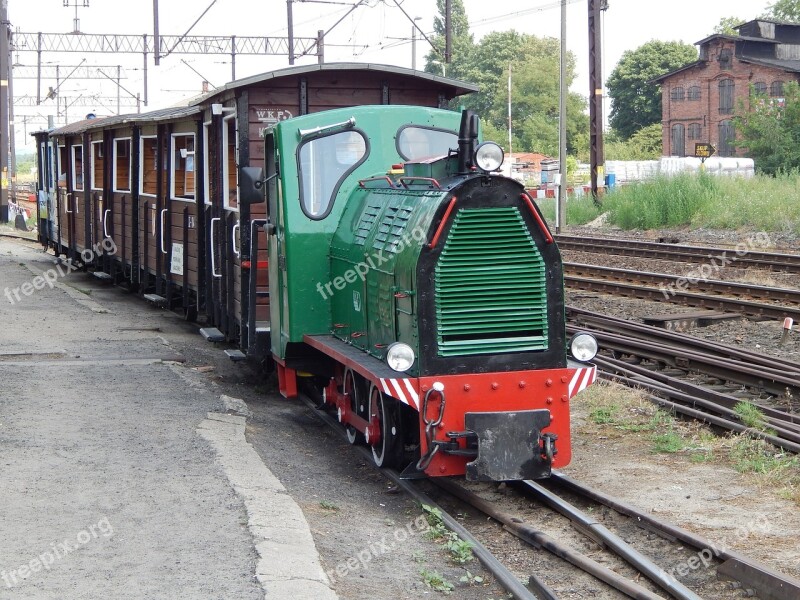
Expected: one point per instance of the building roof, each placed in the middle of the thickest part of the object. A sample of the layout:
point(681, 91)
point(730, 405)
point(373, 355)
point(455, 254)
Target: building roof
point(736, 38)
point(784, 65)
point(661, 78)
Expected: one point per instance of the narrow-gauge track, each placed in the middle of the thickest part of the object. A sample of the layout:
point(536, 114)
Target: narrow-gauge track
point(771, 261)
point(656, 350)
point(750, 573)
point(659, 287)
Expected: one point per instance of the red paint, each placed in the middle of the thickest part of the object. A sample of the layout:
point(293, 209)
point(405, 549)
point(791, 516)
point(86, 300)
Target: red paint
point(443, 223)
point(539, 221)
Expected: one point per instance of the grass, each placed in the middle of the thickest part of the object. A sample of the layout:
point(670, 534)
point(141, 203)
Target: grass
point(615, 411)
point(327, 505)
point(750, 415)
point(761, 203)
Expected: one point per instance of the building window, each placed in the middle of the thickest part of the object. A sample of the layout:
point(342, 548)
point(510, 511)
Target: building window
point(122, 165)
point(727, 138)
point(694, 92)
point(182, 180)
point(726, 96)
point(776, 89)
point(97, 165)
point(725, 59)
point(677, 93)
point(760, 88)
point(678, 140)
point(695, 131)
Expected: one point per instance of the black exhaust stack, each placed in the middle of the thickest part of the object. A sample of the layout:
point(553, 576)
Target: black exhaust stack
point(467, 141)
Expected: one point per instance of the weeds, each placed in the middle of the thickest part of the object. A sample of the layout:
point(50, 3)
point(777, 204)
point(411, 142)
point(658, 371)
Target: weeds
point(436, 581)
point(328, 505)
point(750, 415)
point(460, 551)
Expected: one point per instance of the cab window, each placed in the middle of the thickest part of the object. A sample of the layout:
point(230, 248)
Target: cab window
point(414, 143)
point(323, 163)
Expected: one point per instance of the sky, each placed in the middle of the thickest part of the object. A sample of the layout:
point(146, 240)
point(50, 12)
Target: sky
point(377, 31)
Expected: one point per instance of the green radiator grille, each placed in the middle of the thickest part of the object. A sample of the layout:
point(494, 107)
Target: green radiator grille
point(490, 290)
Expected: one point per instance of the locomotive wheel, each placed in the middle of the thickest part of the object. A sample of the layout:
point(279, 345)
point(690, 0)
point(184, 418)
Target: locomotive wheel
point(388, 452)
point(354, 386)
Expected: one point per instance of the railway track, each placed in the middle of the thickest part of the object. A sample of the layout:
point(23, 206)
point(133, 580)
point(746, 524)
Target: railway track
point(667, 365)
point(771, 261)
point(717, 295)
point(587, 510)
point(661, 582)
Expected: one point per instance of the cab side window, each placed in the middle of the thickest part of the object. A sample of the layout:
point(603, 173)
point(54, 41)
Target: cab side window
point(323, 163)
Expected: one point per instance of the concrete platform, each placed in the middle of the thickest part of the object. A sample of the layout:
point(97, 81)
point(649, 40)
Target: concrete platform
point(125, 474)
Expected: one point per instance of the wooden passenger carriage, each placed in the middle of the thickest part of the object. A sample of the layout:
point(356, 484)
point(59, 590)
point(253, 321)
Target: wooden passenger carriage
point(164, 187)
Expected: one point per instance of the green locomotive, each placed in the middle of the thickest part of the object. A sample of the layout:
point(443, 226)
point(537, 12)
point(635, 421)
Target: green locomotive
point(423, 289)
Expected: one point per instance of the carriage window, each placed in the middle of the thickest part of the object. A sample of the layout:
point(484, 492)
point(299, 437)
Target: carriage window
point(324, 162)
point(97, 165)
point(122, 165)
point(148, 165)
point(62, 166)
point(414, 143)
point(206, 170)
point(230, 174)
point(183, 166)
point(77, 168)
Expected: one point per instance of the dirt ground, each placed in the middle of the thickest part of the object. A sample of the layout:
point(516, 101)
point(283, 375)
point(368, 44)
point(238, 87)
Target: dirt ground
point(372, 534)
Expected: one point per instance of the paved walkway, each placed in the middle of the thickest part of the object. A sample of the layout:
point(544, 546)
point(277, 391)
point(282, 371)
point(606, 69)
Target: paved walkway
point(122, 474)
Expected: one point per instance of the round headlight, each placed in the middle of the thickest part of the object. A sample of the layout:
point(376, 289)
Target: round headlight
point(583, 347)
point(488, 156)
point(400, 356)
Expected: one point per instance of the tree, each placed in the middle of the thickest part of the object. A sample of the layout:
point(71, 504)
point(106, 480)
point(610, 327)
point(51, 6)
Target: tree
point(636, 99)
point(645, 144)
point(462, 43)
point(727, 24)
point(784, 10)
point(770, 131)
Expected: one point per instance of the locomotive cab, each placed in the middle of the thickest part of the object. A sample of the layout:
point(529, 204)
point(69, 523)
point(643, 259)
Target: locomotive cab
point(425, 289)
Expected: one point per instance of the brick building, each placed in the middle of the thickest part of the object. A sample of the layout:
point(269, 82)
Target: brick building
point(700, 99)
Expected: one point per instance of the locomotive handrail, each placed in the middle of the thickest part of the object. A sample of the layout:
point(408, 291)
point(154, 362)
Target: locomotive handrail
point(66, 205)
point(105, 222)
point(431, 180)
point(385, 178)
point(163, 212)
point(213, 246)
point(547, 235)
point(307, 133)
point(238, 253)
point(252, 283)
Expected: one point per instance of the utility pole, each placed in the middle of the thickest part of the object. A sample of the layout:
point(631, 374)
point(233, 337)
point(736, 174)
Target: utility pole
point(561, 210)
point(156, 43)
point(448, 31)
point(290, 26)
point(596, 158)
point(4, 128)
